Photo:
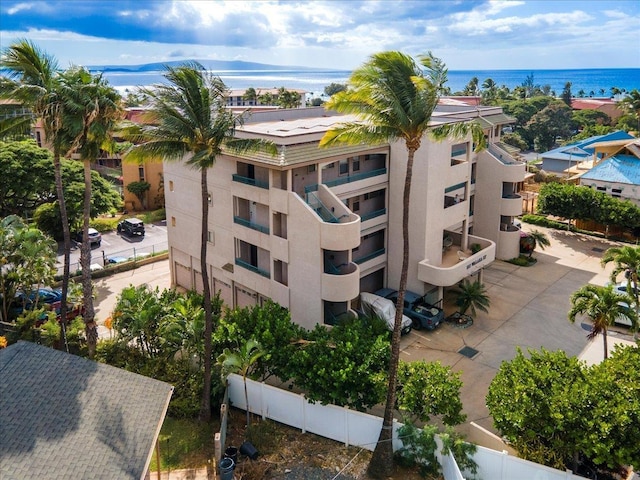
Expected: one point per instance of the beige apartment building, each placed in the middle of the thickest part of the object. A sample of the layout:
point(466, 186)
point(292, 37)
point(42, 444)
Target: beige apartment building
point(311, 228)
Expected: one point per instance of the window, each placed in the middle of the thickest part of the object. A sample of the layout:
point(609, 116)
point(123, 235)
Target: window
point(356, 206)
point(311, 168)
point(344, 167)
point(173, 221)
point(602, 189)
point(616, 190)
point(355, 166)
point(171, 185)
point(209, 199)
point(210, 237)
point(141, 173)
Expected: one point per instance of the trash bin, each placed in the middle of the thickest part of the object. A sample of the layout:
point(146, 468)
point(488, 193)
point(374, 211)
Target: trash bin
point(249, 450)
point(226, 468)
point(232, 453)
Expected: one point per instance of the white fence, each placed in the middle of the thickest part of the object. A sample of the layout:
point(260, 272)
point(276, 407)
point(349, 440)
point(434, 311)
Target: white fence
point(362, 430)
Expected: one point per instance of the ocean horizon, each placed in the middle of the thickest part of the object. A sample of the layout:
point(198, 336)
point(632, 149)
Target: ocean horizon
point(596, 82)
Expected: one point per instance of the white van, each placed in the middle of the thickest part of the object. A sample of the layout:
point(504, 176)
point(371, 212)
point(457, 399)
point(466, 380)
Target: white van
point(384, 308)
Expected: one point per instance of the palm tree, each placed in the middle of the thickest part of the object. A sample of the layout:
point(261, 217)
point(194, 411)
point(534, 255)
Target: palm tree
point(36, 85)
point(626, 259)
point(603, 306)
point(192, 124)
point(631, 102)
point(540, 239)
point(92, 109)
point(241, 361)
point(251, 96)
point(472, 296)
point(394, 100)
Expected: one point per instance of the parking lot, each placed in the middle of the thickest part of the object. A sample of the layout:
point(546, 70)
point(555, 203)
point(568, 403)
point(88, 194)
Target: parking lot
point(529, 308)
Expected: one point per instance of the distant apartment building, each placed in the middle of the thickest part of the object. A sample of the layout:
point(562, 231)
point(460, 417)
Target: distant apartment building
point(311, 228)
point(238, 98)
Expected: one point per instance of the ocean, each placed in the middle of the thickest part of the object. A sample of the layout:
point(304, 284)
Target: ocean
point(594, 82)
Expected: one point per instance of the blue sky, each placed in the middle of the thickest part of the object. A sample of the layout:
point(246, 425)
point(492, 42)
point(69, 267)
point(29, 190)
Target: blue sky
point(466, 34)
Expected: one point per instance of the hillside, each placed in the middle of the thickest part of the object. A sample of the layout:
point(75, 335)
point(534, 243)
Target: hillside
point(235, 65)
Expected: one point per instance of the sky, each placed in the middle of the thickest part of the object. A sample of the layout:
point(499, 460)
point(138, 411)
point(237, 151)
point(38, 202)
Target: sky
point(333, 34)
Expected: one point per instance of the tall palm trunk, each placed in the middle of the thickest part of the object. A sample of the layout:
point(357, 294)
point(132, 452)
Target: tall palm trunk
point(604, 343)
point(381, 464)
point(205, 410)
point(66, 235)
point(91, 328)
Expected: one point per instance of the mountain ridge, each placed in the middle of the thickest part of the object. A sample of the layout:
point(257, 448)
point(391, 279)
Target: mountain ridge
point(208, 64)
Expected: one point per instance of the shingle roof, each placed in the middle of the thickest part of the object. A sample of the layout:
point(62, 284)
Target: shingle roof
point(66, 417)
point(619, 169)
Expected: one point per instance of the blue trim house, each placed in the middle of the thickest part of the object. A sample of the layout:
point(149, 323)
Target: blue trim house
point(617, 171)
point(563, 158)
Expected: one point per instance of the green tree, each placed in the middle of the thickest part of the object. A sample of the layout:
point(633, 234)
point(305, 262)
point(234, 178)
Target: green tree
point(489, 92)
point(241, 361)
point(540, 239)
point(26, 177)
point(538, 404)
point(552, 122)
point(288, 98)
point(34, 81)
point(194, 125)
point(626, 259)
point(345, 365)
point(589, 118)
point(471, 296)
point(182, 329)
point(266, 98)
point(394, 98)
point(334, 88)
point(613, 426)
point(27, 258)
point(250, 95)
point(426, 389)
point(139, 189)
point(602, 306)
point(631, 103)
point(566, 94)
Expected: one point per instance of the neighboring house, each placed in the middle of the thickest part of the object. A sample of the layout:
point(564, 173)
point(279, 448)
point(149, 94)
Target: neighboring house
point(235, 97)
point(311, 228)
point(63, 416)
point(563, 159)
point(604, 105)
point(617, 169)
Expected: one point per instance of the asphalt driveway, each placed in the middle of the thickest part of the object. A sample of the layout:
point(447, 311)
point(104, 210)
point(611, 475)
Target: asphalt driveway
point(529, 308)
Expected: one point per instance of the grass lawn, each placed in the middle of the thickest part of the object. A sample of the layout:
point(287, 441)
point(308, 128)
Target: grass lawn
point(184, 443)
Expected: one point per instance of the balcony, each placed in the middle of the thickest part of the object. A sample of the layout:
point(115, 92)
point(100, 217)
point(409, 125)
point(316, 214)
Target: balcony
point(456, 264)
point(250, 181)
point(511, 205)
point(369, 256)
point(340, 228)
point(253, 268)
point(251, 225)
point(340, 283)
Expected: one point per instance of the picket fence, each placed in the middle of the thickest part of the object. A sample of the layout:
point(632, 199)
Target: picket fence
point(362, 430)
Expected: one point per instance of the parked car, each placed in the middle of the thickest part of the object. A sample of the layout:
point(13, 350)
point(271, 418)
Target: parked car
point(621, 289)
point(372, 304)
point(95, 237)
point(131, 227)
point(116, 260)
point(23, 300)
point(423, 314)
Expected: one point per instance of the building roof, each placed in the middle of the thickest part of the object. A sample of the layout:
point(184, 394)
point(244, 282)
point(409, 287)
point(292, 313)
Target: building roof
point(590, 103)
point(583, 149)
point(618, 169)
point(63, 416)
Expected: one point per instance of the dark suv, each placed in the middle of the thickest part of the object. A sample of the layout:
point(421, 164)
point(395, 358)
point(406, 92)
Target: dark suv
point(423, 314)
point(131, 227)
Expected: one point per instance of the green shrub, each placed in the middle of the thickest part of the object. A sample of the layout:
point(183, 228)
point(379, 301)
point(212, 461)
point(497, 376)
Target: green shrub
point(520, 261)
point(105, 224)
point(154, 216)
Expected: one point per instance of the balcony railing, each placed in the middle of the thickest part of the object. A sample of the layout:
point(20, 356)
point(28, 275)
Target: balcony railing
point(250, 181)
point(248, 224)
point(376, 213)
point(320, 208)
point(253, 268)
point(356, 177)
point(369, 256)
